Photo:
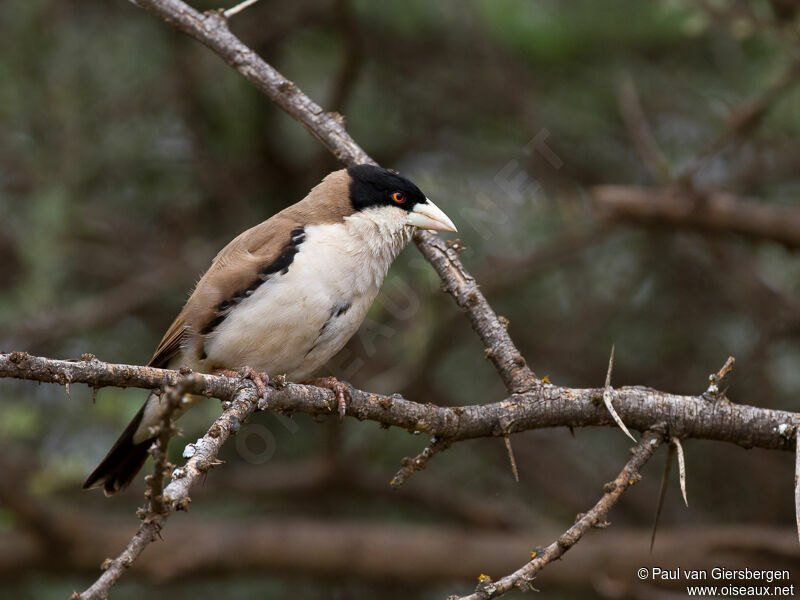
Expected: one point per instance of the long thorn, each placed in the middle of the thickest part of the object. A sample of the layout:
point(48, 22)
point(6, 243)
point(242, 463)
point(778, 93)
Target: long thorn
point(238, 8)
point(608, 395)
point(676, 443)
point(662, 494)
point(511, 458)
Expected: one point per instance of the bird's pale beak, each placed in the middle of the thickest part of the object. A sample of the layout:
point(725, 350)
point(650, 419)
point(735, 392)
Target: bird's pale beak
point(430, 216)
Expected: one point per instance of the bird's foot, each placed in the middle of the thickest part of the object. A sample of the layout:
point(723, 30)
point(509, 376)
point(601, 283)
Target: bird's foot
point(341, 390)
point(260, 380)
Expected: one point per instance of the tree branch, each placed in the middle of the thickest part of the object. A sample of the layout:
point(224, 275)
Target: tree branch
point(419, 462)
point(744, 118)
point(549, 406)
point(211, 29)
point(522, 577)
point(322, 547)
point(716, 211)
point(202, 456)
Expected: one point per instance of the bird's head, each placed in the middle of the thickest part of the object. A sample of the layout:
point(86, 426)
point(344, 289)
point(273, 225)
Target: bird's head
point(375, 188)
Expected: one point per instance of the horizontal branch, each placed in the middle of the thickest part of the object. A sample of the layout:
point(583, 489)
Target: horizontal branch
point(98, 374)
point(718, 212)
point(549, 406)
point(323, 547)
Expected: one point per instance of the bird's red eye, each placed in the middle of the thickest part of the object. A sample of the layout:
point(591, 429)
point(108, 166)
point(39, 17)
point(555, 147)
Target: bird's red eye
point(398, 197)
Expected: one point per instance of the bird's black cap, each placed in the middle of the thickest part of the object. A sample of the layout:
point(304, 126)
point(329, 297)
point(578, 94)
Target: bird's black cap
point(375, 186)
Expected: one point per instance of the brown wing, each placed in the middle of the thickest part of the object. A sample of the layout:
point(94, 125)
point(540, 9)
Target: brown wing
point(170, 343)
point(240, 265)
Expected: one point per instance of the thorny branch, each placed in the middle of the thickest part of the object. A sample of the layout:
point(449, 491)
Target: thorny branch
point(202, 456)
point(211, 29)
point(548, 406)
point(541, 557)
point(172, 397)
point(419, 462)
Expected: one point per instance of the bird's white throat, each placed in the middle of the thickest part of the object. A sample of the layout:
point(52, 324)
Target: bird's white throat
point(377, 235)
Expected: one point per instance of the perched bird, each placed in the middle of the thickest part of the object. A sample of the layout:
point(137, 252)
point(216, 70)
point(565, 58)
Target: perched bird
point(286, 295)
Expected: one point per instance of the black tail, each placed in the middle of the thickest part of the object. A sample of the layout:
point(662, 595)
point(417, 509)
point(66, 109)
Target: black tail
point(123, 461)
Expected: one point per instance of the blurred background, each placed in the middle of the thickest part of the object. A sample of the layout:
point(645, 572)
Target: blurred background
point(131, 154)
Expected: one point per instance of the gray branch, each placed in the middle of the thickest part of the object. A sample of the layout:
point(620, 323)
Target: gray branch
point(211, 29)
point(176, 494)
point(547, 406)
point(540, 558)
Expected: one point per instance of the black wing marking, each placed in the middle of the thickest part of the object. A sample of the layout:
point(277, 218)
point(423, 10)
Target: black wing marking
point(280, 265)
point(337, 311)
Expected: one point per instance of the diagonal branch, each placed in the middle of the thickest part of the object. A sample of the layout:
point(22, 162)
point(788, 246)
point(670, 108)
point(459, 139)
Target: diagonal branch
point(176, 494)
point(211, 29)
point(419, 462)
point(540, 558)
point(492, 330)
point(744, 118)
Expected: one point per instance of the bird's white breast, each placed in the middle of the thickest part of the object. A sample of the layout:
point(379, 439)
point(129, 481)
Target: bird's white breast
point(296, 321)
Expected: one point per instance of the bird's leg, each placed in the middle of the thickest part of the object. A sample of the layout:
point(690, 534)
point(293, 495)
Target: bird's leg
point(261, 380)
point(341, 390)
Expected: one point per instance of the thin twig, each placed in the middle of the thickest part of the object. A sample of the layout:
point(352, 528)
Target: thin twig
point(511, 458)
point(114, 568)
point(608, 395)
point(419, 462)
point(639, 130)
point(718, 382)
point(522, 578)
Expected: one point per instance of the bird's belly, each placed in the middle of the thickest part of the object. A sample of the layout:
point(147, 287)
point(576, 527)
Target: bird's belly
point(294, 323)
